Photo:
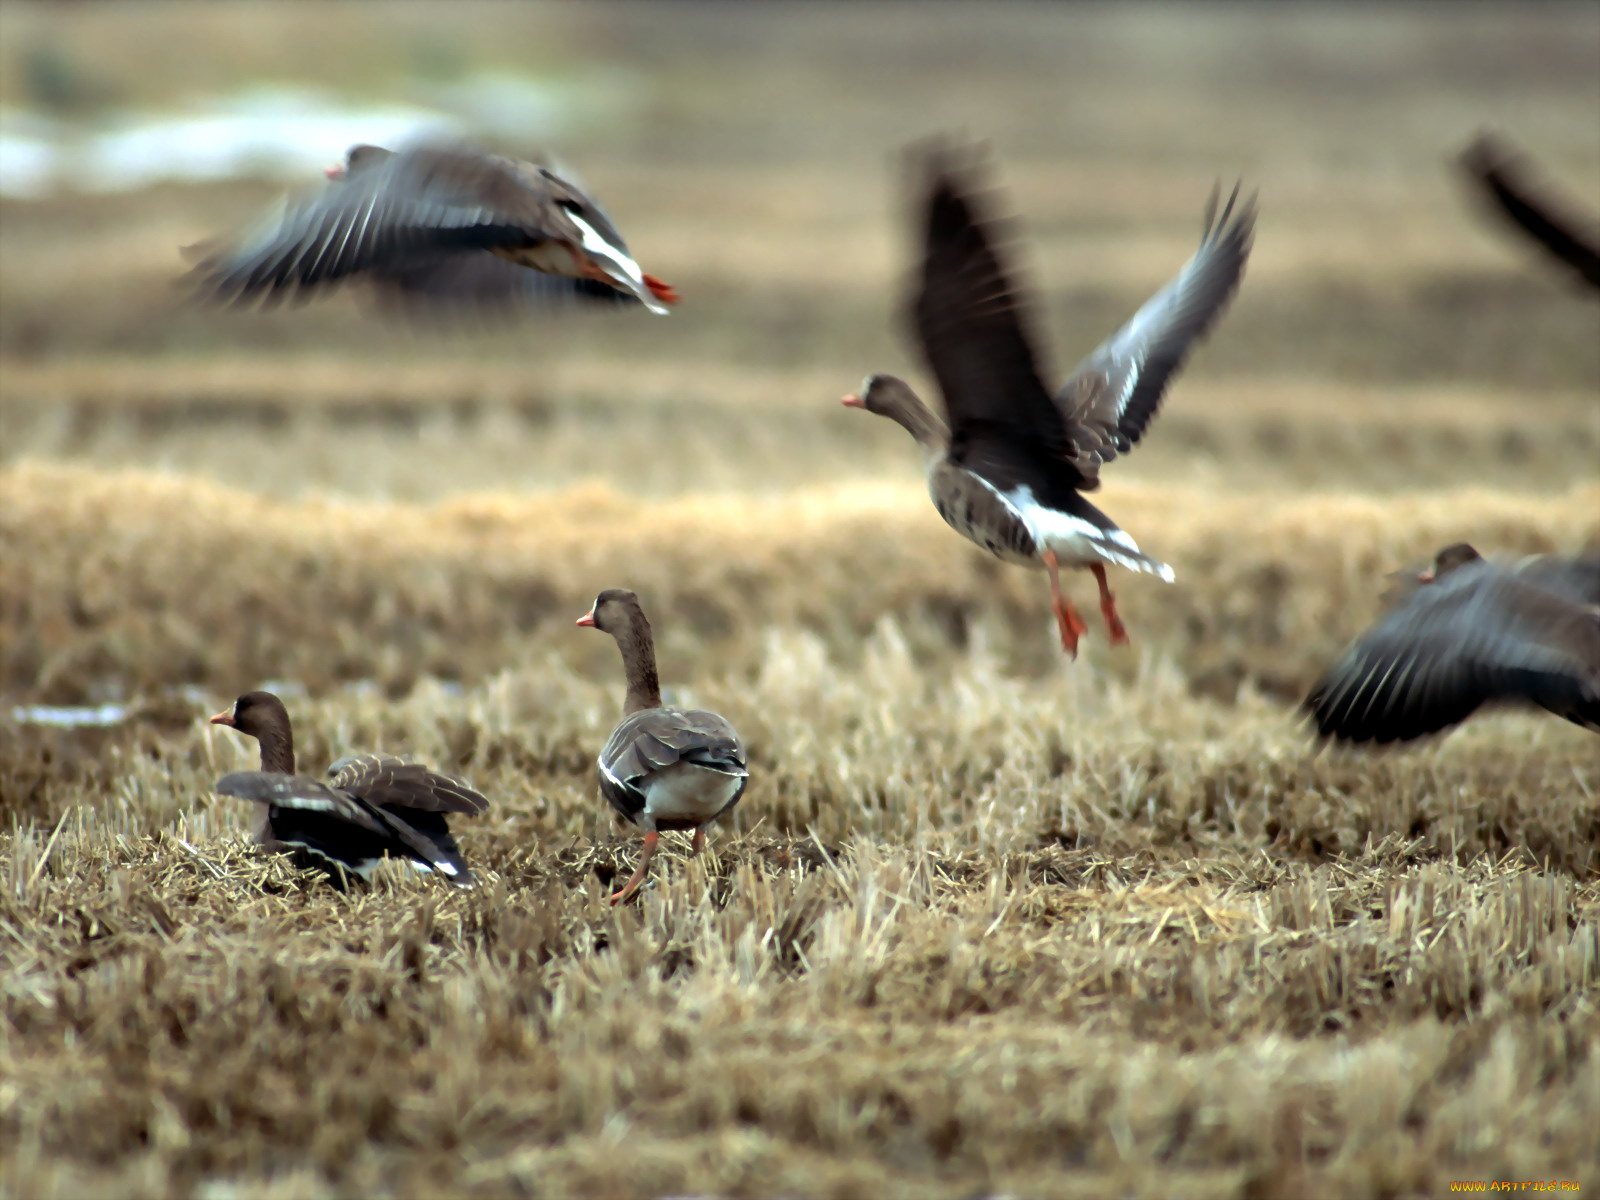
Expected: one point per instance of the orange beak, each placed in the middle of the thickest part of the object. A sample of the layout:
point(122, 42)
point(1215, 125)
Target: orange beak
point(853, 401)
point(225, 717)
point(335, 172)
point(1425, 576)
point(661, 290)
point(587, 620)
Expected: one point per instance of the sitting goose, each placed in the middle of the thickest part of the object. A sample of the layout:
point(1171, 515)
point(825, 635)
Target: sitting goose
point(436, 222)
point(373, 805)
point(1009, 469)
point(661, 768)
point(1472, 633)
point(1506, 182)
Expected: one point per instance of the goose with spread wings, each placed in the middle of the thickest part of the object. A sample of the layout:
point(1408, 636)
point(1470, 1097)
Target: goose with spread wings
point(371, 806)
point(1470, 633)
point(1510, 185)
point(435, 225)
point(1009, 462)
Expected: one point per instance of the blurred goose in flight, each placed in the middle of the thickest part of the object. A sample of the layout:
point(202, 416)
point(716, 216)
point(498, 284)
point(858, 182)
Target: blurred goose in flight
point(435, 224)
point(371, 806)
point(1471, 633)
point(661, 768)
point(1508, 183)
point(1009, 463)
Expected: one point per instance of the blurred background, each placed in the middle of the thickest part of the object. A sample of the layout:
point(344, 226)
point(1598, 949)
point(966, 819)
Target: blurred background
point(986, 917)
point(1390, 344)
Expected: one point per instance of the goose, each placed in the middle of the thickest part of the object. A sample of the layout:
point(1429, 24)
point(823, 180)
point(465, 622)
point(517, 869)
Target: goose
point(435, 223)
point(372, 805)
point(1508, 185)
point(1468, 634)
point(1008, 463)
point(662, 767)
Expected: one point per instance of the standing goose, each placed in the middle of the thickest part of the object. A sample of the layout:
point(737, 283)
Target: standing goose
point(661, 768)
point(1008, 466)
point(1472, 633)
point(436, 222)
point(372, 805)
point(1506, 182)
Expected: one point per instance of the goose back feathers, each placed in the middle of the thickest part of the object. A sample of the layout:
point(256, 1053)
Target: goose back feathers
point(678, 768)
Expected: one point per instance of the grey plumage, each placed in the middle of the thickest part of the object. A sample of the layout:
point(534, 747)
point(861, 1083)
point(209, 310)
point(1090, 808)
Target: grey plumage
point(662, 767)
point(336, 830)
point(647, 742)
point(371, 805)
point(1009, 463)
point(1111, 397)
point(433, 225)
point(394, 783)
point(1477, 634)
point(970, 321)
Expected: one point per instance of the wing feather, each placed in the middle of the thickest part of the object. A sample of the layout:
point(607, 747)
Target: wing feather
point(1506, 181)
point(427, 198)
point(1477, 636)
point(389, 782)
point(968, 317)
point(1110, 399)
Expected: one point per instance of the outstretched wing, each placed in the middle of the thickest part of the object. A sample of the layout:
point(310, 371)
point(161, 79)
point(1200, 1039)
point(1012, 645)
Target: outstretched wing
point(1505, 179)
point(968, 317)
point(1477, 636)
point(389, 782)
point(336, 830)
point(1114, 393)
point(303, 793)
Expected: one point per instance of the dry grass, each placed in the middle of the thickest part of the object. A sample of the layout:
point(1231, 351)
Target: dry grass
point(1045, 935)
point(987, 922)
point(106, 568)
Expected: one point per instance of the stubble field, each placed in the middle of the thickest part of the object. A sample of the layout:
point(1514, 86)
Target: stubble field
point(987, 922)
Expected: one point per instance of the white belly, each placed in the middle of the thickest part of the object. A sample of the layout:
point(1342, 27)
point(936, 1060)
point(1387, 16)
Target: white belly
point(686, 792)
point(1080, 543)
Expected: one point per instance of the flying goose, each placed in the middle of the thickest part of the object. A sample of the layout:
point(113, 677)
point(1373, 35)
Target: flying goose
point(1506, 181)
point(1471, 633)
point(1008, 466)
point(662, 767)
point(372, 805)
point(435, 223)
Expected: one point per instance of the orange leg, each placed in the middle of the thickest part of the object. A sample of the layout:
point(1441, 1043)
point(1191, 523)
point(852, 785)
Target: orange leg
point(699, 842)
point(1108, 608)
point(1067, 618)
point(639, 873)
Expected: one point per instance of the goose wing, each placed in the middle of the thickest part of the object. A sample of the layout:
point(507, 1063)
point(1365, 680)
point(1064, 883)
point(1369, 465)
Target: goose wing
point(389, 782)
point(1112, 396)
point(1479, 635)
point(1506, 181)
